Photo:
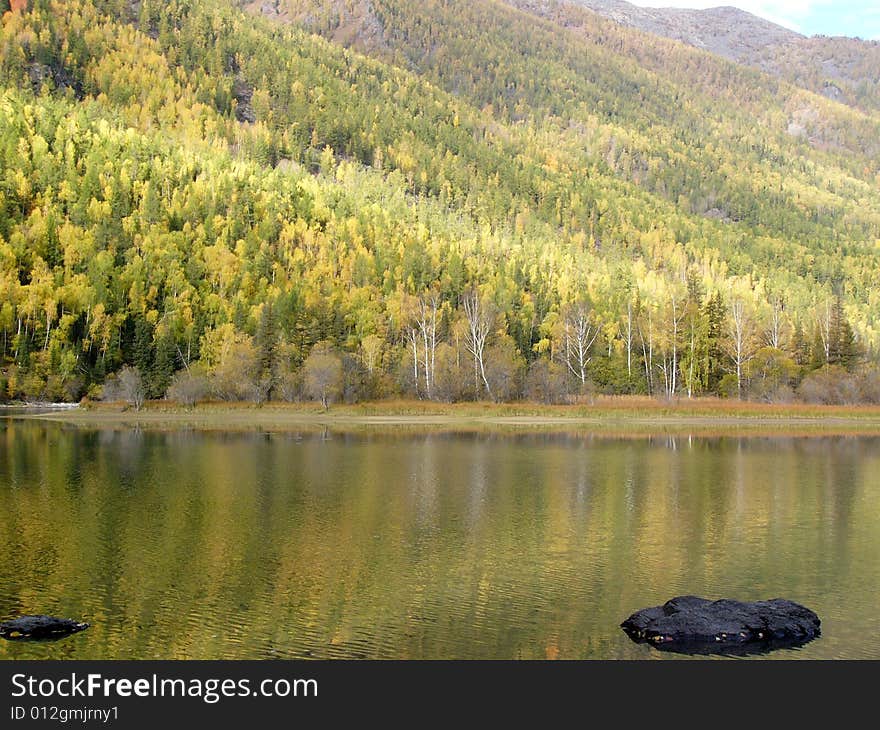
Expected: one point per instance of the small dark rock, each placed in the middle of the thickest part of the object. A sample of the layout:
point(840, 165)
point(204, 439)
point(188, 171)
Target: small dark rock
point(60, 76)
point(243, 93)
point(39, 628)
point(692, 625)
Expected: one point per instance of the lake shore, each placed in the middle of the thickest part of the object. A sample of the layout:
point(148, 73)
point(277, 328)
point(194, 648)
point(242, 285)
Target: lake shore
point(618, 415)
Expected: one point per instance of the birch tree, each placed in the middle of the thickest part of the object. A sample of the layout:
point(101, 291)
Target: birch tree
point(427, 313)
point(645, 326)
point(674, 312)
point(480, 318)
point(741, 339)
point(824, 328)
point(778, 327)
point(695, 357)
point(579, 332)
point(628, 331)
point(371, 352)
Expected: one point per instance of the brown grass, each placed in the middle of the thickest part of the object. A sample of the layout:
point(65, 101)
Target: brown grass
point(618, 415)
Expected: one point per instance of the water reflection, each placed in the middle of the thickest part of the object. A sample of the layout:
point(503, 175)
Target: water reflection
point(185, 544)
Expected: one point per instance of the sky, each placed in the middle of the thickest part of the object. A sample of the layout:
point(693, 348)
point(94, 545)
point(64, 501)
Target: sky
point(858, 18)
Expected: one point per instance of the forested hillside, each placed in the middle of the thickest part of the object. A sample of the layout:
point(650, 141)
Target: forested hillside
point(843, 69)
point(204, 199)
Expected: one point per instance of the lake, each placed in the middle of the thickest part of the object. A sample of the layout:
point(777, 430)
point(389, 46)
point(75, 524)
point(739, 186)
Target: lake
point(185, 544)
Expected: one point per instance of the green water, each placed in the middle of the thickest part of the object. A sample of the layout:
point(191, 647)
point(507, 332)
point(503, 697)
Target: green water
point(185, 544)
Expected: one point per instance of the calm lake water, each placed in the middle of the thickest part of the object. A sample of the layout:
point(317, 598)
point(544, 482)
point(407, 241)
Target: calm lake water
point(184, 544)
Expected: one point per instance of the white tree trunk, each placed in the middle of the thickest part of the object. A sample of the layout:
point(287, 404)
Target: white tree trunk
point(480, 321)
point(427, 321)
point(738, 337)
point(579, 335)
point(629, 337)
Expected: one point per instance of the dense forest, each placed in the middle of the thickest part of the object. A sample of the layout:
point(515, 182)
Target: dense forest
point(840, 68)
point(205, 199)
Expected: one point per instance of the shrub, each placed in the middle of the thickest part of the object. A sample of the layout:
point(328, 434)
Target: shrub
point(546, 382)
point(830, 385)
point(188, 387)
point(322, 374)
point(126, 385)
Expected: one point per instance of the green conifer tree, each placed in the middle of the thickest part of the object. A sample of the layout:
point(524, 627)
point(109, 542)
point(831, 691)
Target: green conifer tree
point(714, 312)
point(163, 365)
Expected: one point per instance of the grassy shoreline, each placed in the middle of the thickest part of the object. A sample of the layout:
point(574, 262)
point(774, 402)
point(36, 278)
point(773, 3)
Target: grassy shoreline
point(623, 415)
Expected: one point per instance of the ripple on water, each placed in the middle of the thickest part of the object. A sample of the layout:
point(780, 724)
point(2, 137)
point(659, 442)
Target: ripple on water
point(232, 546)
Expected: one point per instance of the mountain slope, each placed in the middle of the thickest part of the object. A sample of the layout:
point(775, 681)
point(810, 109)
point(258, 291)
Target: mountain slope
point(189, 182)
point(727, 31)
point(842, 69)
point(663, 104)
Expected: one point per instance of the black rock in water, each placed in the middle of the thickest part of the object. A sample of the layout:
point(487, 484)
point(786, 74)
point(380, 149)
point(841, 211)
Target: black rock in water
point(692, 625)
point(40, 627)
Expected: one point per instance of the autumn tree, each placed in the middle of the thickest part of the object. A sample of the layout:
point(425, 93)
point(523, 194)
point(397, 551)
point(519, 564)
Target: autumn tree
point(131, 386)
point(480, 316)
point(322, 374)
point(579, 331)
point(546, 382)
point(770, 374)
point(673, 313)
point(504, 369)
point(427, 318)
point(237, 373)
point(740, 340)
point(188, 387)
